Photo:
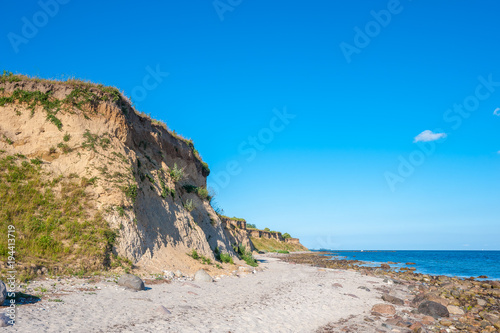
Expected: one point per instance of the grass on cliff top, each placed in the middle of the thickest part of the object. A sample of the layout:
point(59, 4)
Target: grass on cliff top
point(84, 95)
point(53, 228)
point(272, 245)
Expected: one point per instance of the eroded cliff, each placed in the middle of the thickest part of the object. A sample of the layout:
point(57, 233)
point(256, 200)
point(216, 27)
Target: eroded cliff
point(117, 181)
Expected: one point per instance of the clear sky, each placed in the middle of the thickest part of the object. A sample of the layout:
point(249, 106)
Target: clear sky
point(349, 124)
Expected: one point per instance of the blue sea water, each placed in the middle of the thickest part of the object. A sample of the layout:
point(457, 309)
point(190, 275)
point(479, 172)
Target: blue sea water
point(450, 263)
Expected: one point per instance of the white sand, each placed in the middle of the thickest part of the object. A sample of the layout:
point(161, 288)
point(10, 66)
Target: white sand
point(282, 298)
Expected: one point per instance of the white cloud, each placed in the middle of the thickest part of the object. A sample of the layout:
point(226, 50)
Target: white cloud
point(497, 112)
point(428, 135)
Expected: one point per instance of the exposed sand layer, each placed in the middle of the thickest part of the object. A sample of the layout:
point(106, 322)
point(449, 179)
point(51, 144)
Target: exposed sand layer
point(282, 298)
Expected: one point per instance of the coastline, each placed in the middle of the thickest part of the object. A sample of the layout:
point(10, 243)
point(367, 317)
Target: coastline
point(473, 305)
point(286, 293)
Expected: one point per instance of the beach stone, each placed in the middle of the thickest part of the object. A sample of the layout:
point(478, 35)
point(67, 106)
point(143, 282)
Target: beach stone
point(427, 320)
point(435, 298)
point(445, 322)
point(455, 310)
point(3, 292)
point(433, 309)
point(490, 317)
point(385, 266)
point(495, 284)
point(178, 273)
point(416, 327)
point(384, 309)
point(392, 299)
point(481, 302)
point(169, 275)
point(131, 281)
point(202, 276)
point(163, 310)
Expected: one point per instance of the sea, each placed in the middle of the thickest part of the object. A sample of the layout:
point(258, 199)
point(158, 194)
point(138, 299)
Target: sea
point(463, 264)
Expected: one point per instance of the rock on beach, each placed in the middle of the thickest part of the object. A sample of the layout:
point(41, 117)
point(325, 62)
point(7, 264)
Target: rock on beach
point(131, 281)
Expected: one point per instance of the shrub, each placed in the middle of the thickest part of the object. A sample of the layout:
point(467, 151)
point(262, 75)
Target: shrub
point(202, 193)
point(9, 141)
point(189, 205)
point(267, 229)
point(194, 254)
point(131, 192)
point(65, 148)
point(66, 137)
point(245, 255)
point(226, 258)
point(120, 210)
point(176, 173)
point(251, 226)
point(150, 178)
point(286, 235)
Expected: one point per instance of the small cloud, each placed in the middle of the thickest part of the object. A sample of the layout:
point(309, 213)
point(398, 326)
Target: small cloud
point(497, 112)
point(428, 135)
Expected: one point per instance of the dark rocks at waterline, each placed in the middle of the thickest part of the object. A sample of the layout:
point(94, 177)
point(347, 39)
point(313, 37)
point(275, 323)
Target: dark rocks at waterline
point(392, 299)
point(433, 309)
point(131, 281)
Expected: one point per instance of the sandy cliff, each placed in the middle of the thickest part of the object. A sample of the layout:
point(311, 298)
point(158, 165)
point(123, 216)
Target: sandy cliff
point(147, 183)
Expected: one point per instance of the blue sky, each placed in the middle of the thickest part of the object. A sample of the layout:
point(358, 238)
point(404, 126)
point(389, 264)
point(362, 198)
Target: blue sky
point(342, 170)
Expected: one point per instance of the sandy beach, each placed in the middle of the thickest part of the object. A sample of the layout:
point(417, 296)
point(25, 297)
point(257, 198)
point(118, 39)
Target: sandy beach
point(279, 297)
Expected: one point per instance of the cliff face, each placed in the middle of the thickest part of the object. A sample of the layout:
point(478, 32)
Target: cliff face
point(256, 239)
point(146, 183)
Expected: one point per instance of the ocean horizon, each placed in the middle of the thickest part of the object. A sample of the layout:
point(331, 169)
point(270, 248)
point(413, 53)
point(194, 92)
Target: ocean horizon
point(456, 263)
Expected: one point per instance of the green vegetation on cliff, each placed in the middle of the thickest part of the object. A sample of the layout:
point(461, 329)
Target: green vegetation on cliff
point(273, 245)
point(53, 228)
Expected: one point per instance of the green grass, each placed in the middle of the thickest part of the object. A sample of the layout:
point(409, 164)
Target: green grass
point(52, 218)
point(66, 137)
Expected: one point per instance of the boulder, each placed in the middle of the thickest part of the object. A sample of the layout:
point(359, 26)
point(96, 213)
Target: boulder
point(433, 309)
point(455, 310)
point(202, 276)
point(3, 292)
point(384, 309)
point(131, 281)
point(392, 299)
